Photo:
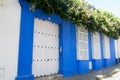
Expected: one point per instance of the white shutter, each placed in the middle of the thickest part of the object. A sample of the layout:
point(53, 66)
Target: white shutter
point(118, 42)
point(106, 48)
point(82, 44)
point(96, 46)
point(117, 48)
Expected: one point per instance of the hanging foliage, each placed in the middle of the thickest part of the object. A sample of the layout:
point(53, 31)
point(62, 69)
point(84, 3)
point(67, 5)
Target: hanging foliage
point(81, 12)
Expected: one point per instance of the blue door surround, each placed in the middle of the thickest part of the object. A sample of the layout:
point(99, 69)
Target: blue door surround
point(69, 65)
point(25, 44)
point(68, 57)
point(112, 51)
point(67, 43)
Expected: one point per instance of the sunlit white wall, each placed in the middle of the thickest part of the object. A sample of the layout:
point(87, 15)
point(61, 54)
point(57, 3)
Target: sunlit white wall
point(10, 12)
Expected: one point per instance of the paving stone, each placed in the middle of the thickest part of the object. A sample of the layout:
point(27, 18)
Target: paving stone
point(99, 77)
point(108, 73)
point(51, 77)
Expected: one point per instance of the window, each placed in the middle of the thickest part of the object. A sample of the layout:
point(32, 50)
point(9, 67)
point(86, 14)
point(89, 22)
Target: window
point(106, 48)
point(96, 46)
point(82, 43)
point(117, 47)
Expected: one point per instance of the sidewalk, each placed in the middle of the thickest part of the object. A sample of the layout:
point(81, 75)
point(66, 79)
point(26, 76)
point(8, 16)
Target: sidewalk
point(109, 73)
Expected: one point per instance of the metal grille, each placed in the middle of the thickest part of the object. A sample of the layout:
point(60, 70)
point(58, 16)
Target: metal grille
point(117, 47)
point(96, 46)
point(82, 44)
point(106, 48)
point(46, 48)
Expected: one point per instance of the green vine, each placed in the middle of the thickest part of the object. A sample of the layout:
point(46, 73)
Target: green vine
point(81, 12)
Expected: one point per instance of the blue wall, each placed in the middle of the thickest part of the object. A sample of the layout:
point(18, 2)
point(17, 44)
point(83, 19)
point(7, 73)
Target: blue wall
point(67, 42)
point(97, 64)
point(68, 45)
point(102, 48)
point(25, 45)
point(90, 45)
point(69, 65)
point(112, 51)
point(82, 66)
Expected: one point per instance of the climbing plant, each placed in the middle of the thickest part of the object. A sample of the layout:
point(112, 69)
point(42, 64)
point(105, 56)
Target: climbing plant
point(81, 12)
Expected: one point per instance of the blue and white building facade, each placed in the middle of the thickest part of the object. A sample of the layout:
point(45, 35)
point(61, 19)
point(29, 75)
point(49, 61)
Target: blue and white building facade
point(34, 44)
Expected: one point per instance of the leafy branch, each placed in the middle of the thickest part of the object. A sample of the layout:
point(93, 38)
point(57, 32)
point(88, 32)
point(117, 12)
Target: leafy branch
point(81, 12)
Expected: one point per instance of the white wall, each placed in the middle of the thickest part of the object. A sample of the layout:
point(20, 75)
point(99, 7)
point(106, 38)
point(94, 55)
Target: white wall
point(9, 38)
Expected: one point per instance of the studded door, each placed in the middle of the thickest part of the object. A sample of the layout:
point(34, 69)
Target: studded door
point(45, 48)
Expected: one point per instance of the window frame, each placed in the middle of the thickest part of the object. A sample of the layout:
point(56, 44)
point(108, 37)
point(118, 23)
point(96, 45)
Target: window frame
point(79, 31)
point(94, 45)
point(106, 52)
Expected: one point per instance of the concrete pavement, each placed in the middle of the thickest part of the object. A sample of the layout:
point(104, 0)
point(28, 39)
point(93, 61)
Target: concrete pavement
point(109, 73)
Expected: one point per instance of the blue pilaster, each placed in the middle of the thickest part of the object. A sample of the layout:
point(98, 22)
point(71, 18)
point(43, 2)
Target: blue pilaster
point(25, 44)
point(90, 45)
point(102, 49)
point(68, 49)
point(112, 51)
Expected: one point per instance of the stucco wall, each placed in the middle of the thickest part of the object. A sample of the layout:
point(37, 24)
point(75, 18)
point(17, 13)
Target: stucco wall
point(9, 38)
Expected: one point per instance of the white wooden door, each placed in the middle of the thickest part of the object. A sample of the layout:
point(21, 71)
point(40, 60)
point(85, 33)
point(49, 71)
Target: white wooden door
point(46, 48)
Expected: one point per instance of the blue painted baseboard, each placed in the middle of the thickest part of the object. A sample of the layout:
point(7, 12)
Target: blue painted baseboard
point(113, 61)
point(82, 66)
point(68, 72)
point(117, 60)
point(107, 62)
point(97, 64)
point(27, 77)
